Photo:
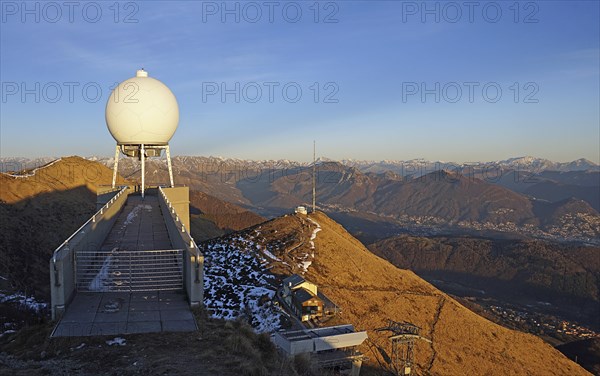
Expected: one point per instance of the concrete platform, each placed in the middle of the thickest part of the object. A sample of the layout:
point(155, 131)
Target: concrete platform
point(139, 227)
point(96, 314)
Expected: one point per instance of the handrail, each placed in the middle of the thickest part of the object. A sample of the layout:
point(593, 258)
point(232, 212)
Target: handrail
point(175, 217)
point(91, 220)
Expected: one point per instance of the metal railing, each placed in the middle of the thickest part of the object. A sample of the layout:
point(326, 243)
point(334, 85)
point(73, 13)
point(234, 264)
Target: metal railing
point(128, 271)
point(59, 252)
point(89, 236)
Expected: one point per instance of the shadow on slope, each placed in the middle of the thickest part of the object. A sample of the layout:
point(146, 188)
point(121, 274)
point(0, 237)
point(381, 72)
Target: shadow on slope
point(32, 229)
point(585, 352)
point(211, 217)
point(524, 272)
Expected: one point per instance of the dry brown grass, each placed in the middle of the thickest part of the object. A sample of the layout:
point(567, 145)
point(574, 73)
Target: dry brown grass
point(37, 213)
point(370, 290)
point(218, 348)
point(66, 174)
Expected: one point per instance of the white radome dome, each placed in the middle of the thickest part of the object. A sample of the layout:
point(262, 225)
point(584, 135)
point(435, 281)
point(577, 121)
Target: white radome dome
point(142, 110)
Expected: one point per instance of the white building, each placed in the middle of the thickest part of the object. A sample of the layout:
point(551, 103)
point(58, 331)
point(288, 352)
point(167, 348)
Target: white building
point(332, 346)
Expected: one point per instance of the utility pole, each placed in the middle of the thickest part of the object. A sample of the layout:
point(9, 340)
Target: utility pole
point(314, 178)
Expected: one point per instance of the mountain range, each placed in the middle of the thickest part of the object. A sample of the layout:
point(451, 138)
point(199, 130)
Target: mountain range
point(421, 166)
point(39, 208)
point(551, 204)
point(402, 167)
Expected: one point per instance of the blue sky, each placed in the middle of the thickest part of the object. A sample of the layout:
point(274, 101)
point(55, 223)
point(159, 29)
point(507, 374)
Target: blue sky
point(367, 62)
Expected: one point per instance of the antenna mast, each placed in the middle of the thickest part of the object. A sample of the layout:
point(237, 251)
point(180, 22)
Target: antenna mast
point(314, 187)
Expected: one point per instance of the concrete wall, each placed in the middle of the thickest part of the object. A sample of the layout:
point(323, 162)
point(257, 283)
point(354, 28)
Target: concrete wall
point(88, 237)
point(179, 197)
point(178, 227)
point(105, 194)
point(302, 347)
point(281, 342)
point(292, 348)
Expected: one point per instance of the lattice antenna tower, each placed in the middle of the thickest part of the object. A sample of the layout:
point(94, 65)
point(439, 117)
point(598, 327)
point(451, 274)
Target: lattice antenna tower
point(403, 338)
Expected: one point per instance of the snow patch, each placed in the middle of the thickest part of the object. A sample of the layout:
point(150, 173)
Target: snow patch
point(10, 331)
point(27, 302)
point(238, 284)
point(313, 236)
point(102, 279)
point(304, 265)
point(132, 215)
point(116, 341)
point(270, 255)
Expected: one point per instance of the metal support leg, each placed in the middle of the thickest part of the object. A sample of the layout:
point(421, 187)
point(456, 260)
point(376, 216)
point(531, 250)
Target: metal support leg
point(170, 166)
point(115, 166)
point(143, 159)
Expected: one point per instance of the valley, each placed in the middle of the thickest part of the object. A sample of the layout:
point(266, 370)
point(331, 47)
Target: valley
point(439, 199)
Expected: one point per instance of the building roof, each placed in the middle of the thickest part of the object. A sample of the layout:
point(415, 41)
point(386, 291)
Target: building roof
point(302, 295)
point(319, 339)
point(294, 280)
point(328, 331)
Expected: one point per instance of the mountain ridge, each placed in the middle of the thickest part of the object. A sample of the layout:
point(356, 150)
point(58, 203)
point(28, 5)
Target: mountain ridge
point(524, 163)
point(442, 199)
point(370, 290)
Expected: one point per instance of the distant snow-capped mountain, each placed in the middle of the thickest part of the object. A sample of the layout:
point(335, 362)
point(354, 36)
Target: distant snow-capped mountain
point(409, 167)
point(540, 164)
point(415, 166)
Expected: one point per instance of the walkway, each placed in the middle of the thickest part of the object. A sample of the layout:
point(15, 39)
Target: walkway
point(96, 314)
point(139, 227)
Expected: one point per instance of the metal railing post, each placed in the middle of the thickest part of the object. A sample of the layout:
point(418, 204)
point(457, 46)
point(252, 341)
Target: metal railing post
point(74, 265)
point(130, 274)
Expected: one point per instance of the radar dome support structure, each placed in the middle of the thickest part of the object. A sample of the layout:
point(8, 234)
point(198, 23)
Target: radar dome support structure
point(142, 115)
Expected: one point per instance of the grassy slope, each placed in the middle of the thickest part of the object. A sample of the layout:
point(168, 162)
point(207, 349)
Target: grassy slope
point(38, 212)
point(371, 290)
point(218, 348)
point(211, 217)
